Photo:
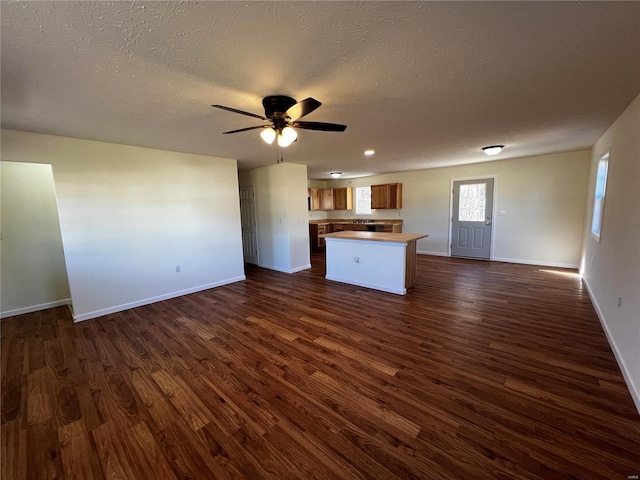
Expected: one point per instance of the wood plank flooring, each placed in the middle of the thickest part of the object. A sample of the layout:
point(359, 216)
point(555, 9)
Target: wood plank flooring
point(484, 370)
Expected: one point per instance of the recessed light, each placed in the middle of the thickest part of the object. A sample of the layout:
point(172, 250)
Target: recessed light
point(492, 150)
point(335, 174)
point(369, 152)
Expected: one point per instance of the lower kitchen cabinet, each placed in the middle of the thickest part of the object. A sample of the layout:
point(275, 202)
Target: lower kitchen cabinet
point(315, 230)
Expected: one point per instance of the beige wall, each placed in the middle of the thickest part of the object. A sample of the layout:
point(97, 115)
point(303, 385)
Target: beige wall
point(543, 199)
point(34, 276)
point(129, 216)
point(611, 267)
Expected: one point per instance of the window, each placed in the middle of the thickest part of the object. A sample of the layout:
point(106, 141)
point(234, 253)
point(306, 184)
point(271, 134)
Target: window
point(363, 200)
point(598, 201)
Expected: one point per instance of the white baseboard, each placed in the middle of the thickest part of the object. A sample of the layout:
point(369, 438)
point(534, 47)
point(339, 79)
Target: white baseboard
point(159, 298)
point(437, 254)
point(284, 270)
point(536, 262)
point(299, 269)
point(510, 260)
point(401, 291)
point(635, 394)
point(35, 308)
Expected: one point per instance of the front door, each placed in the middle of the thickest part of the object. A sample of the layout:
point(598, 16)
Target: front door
point(471, 222)
point(249, 224)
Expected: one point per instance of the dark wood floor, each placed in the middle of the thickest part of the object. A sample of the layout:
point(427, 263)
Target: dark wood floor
point(483, 371)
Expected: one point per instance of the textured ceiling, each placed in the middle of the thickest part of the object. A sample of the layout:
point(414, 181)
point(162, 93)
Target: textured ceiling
point(424, 84)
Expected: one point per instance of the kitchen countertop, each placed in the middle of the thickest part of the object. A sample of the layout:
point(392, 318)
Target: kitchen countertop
point(376, 236)
point(345, 221)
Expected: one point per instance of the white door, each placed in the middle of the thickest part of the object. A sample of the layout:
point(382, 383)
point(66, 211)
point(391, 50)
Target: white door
point(471, 223)
point(249, 224)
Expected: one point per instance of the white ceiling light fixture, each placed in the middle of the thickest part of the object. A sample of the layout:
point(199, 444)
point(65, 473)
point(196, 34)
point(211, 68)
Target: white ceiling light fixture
point(369, 152)
point(492, 150)
point(268, 135)
point(336, 174)
point(287, 136)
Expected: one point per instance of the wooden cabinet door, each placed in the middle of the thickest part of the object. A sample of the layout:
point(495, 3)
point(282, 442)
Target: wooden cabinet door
point(315, 231)
point(315, 195)
point(379, 196)
point(322, 229)
point(356, 227)
point(388, 195)
point(327, 199)
point(395, 195)
point(343, 198)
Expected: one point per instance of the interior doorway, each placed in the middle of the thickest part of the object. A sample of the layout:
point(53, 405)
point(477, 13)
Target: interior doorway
point(249, 224)
point(472, 218)
point(33, 269)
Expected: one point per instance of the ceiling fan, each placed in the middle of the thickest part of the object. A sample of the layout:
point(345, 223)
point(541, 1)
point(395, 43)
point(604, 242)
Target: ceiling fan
point(283, 113)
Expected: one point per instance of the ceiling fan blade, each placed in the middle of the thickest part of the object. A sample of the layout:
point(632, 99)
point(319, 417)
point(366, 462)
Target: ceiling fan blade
point(327, 127)
point(302, 108)
point(235, 110)
point(245, 129)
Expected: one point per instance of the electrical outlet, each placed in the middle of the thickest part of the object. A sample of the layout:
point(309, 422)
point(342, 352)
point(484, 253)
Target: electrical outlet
point(177, 268)
point(619, 302)
point(356, 259)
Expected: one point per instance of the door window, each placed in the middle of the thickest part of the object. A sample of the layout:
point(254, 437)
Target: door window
point(473, 199)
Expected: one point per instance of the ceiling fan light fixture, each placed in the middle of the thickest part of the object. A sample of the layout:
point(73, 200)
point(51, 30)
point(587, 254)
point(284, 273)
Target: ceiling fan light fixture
point(336, 174)
point(287, 137)
point(492, 150)
point(268, 135)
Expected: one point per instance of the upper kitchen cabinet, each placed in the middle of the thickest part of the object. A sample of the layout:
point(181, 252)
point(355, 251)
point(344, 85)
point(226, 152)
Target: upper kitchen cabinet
point(379, 196)
point(395, 195)
point(327, 199)
point(331, 198)
point(343, 198)
point(388, 195)
point(315, 199)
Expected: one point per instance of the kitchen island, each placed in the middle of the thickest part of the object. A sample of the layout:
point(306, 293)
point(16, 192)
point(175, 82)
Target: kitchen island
point(382, 261)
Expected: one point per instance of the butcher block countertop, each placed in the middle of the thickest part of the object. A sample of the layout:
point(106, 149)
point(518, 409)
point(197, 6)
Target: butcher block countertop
point(376, 236)
point(358, 221)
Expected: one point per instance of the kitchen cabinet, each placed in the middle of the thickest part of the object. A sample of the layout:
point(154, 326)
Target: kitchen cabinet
point(327, 199)
point(395, 195)
point(331, 198)
point(385, 261)
point(330, 226)
point(315, 232)
point(388, 195)
point(369, 226)
point(379, 196)
point(343, 198)
point(315, 199)
point(355, 227)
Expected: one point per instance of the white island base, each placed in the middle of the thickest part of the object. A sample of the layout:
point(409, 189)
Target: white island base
point(382, 261)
